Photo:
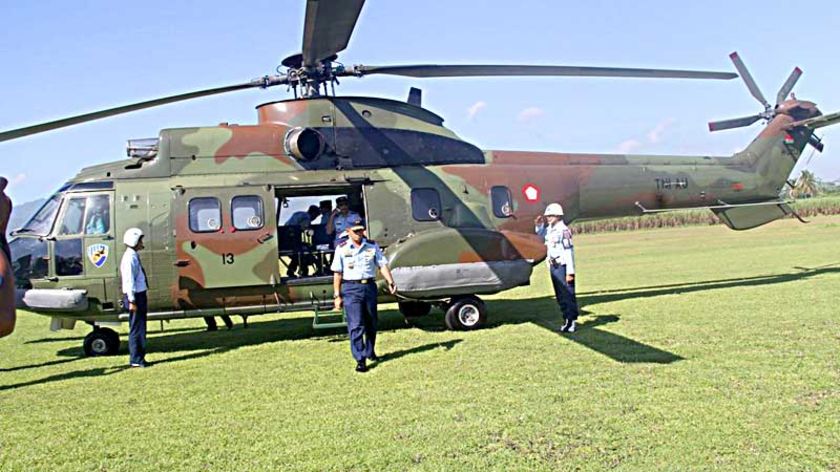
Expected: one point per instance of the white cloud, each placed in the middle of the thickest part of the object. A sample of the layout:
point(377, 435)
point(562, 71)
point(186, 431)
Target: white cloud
point(628, 146)
point(655, 135)
point(475, 108)
point(529, 114)
point(18, 179)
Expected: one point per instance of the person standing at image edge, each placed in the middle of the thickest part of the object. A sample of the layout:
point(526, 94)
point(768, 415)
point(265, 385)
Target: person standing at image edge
point(134, 289)
point(354, 287)
point(561, 261)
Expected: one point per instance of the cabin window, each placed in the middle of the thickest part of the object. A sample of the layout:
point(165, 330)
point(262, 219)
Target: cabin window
point(205, 215)
point(74, 213)
point(425, 204)
point(98, 217)
point(247, 212)
point(502, 201)
point(68, 256)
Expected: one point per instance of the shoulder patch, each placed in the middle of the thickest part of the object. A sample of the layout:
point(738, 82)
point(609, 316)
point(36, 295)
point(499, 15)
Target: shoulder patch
point(342, 243)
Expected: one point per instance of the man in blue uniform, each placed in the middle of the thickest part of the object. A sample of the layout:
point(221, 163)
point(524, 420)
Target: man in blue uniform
point(354, 286)
point(134, 288)
point(340, 219)
point(561, 261)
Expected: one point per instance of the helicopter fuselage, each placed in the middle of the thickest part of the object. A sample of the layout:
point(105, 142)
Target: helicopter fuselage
point(453, 219)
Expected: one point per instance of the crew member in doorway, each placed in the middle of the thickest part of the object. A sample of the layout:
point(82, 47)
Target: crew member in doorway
point(134, 289)
point(561, 261)
point(302, 258)
point(354, 287)
point(340, 219)
point(7, 281)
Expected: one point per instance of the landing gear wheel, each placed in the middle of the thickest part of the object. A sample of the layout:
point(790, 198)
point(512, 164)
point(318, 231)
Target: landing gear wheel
point(414, 309)
point(465, 313)
point(102, 342)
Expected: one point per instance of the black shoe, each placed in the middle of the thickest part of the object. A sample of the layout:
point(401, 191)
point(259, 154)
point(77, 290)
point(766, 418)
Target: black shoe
point(361, 367)
point(373, 357)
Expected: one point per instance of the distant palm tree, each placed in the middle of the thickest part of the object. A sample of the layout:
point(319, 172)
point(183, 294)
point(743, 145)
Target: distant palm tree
point(806, 186)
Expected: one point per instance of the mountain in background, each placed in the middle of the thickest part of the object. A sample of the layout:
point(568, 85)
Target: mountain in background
point(22, 212)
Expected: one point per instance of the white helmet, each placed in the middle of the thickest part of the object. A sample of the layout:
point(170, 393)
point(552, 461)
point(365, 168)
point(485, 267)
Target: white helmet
point(132, 236)
point(553, 209)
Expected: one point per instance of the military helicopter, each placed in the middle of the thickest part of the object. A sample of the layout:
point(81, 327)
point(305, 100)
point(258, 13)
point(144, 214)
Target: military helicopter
point(455, 221)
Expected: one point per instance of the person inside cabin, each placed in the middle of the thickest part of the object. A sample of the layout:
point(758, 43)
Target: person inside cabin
point(97, 218)
point(302, 258)
point(340, 219)
point(326, 208)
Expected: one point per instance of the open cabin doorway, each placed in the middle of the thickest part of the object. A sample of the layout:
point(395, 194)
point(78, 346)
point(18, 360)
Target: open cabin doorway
point(305, 242)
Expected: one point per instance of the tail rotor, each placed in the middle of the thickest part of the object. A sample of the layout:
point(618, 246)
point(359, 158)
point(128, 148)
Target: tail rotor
point(769, 110)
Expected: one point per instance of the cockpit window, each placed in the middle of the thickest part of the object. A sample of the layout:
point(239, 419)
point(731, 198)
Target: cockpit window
point(42, 222)
point(98, 218)
point(71, 222)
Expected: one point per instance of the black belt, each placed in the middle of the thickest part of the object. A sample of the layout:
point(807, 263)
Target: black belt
point(363, 281)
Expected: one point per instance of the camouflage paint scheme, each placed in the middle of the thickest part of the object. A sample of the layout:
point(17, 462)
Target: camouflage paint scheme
point(383, 149)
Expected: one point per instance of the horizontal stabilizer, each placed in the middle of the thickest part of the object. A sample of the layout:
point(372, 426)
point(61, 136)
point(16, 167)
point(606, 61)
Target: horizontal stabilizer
point(819, 121)
point(748, 217)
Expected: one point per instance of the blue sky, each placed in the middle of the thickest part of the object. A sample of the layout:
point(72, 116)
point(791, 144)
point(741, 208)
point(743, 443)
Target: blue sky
point(62, 58)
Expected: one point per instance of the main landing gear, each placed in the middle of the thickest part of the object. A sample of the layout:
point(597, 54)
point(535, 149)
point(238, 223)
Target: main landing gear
point(463, 312)
point(102, 342)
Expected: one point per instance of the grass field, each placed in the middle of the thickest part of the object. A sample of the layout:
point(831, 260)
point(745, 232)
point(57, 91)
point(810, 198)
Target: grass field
point(702, 348)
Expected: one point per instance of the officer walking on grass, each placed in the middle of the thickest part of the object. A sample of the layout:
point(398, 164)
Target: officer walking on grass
point(561, 261)
point(134, 287)
point(354, 286)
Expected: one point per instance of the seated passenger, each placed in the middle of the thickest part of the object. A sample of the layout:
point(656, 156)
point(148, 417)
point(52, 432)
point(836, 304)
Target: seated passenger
point(97, 222)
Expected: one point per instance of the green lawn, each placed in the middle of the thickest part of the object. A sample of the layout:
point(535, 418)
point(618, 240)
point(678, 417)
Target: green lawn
point(702, 348)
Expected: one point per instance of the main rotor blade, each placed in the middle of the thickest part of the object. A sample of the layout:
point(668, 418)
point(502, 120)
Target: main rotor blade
point(745, 74)
point(434, 70)
point(733, 123)
point(327, 28)
point(788, 85)
point(74, 120)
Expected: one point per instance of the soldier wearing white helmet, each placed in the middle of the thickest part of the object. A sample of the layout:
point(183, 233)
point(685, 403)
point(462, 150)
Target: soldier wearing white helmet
point(561, 261)
point(134, 288)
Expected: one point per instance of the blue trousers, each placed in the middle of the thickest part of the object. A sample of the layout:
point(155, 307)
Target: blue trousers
point(564, 292)
point(137, 329)
point(360, 310)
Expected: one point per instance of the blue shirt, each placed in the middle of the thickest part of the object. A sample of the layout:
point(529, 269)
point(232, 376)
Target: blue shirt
point(358, 262)
point(558, 240)
point(132, 274)
point(299, 218)
point(342, 222)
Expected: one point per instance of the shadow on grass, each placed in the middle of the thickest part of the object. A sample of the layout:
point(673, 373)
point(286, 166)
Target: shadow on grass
point(394, 355)
point(95, 372)
point(541, 311)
